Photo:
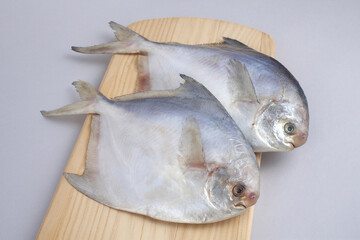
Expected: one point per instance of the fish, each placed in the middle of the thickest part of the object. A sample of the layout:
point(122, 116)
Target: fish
point(173, 155)
point(260, 94)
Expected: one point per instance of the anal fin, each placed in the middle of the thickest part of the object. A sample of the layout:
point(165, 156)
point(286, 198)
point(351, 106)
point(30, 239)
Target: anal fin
point(143, 79)
point(90, 183)
point(81, 183)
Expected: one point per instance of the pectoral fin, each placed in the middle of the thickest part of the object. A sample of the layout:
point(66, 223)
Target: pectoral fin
point(191, 155)
point(240, 84)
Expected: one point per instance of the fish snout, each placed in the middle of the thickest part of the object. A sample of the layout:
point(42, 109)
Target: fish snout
point(299, 139)
point(250, 199)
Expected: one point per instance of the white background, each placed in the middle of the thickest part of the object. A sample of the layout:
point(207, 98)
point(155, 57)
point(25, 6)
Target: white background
point(310, 193)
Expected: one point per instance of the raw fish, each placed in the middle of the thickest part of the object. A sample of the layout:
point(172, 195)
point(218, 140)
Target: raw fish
point(260, 94)
point(173, 155)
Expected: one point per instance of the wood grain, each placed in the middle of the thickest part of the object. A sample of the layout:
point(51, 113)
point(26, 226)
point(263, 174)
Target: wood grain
point(71, 215)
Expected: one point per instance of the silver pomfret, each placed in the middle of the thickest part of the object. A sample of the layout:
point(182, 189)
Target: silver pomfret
point(253, 87)
point(173, 155)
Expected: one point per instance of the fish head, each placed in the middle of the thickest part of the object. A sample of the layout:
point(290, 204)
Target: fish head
point(283, 125)
point(234, 188)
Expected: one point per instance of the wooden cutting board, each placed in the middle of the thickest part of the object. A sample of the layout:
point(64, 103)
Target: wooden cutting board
point(72, 215)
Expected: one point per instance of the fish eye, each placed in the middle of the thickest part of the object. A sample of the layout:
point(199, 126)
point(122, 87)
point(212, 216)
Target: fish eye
point(238, 189)
point(289, 128)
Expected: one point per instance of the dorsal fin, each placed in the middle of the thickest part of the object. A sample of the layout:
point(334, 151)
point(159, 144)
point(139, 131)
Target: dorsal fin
point(232, 45)
point(235, 43)
point(189, 89)
point(241, 86)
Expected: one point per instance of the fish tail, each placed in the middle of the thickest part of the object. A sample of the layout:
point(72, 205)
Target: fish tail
point(128, 42)
point(87, 93)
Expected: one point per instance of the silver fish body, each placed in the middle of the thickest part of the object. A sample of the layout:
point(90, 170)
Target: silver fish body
point(172, 155)
point(260, 94)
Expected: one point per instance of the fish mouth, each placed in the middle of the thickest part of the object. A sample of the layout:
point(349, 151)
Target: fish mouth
point(290, 145)
point(241, 205)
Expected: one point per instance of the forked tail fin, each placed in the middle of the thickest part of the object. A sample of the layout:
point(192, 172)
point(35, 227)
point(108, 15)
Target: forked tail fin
point(87, 93)
point(129, 42)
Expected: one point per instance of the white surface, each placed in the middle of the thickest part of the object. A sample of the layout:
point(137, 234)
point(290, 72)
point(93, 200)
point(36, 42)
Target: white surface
point(310, 193)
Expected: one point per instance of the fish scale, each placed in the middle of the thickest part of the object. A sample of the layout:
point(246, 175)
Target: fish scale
point(185, 166)
point(91, 220)
point(268, 86)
